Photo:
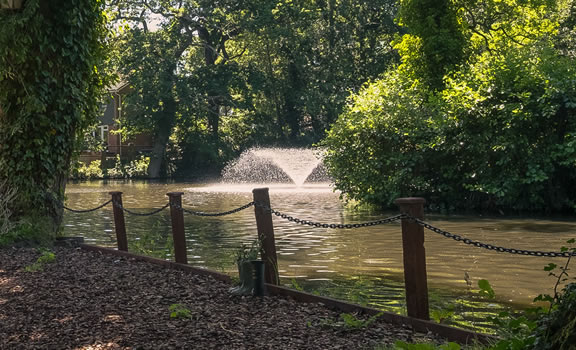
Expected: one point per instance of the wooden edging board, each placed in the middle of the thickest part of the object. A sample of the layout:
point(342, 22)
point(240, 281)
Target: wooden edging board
point(450, 333)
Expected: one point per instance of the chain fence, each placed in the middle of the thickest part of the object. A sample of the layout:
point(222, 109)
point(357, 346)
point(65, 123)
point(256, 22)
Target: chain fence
point(200, 213)
point(85, 210)
point(325, 225)
point(458, 238)
point(155, 211)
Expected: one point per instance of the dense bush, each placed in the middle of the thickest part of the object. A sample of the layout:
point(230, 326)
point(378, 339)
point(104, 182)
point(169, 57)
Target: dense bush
point(127, 169)
point(557, 330)
point(83, 171)
point(500, 133)
point(122, 169)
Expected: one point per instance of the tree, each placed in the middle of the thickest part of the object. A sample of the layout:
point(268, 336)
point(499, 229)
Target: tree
point(180, 66)
point(498, 133)
point(435, 41)
point(315, 53)
point(50, 56)
point(245, 73)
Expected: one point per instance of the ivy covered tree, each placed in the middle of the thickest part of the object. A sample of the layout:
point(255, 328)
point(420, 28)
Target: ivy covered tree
point(51, 53)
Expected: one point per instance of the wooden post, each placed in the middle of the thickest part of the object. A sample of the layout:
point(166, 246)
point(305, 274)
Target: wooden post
point(414, 258)
point(265, 229)
point(177, 217)
point(119, 223)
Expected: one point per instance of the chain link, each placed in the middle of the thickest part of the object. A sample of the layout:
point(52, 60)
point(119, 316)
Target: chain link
point(478, 244)
point(63, 206)
point(86, 210)
point(156, 211)
point(324, 225)
point(199, 213)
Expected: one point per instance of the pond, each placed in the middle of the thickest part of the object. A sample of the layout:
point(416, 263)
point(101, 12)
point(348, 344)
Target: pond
point(363, 265)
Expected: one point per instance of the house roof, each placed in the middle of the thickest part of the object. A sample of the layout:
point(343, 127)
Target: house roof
point(121, 87)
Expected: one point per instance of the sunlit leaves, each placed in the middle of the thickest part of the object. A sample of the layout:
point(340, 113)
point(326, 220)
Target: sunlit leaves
point(500, 133)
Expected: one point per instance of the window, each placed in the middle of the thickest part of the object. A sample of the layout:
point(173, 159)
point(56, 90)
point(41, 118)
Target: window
point(103, 132)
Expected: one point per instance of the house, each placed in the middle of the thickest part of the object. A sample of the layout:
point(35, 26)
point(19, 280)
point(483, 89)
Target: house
point(108, 122)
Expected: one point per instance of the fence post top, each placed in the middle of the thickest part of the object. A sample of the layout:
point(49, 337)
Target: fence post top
point(410, 201)
point(261, 189)
point(174, 194)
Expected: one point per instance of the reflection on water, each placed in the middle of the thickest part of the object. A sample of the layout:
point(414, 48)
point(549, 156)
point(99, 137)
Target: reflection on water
point(363, 265)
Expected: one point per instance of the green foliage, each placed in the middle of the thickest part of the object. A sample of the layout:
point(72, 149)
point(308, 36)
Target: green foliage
point(516, 332)
point(557, 327)
point(153, 238)
point(83, 171)
point(435, 42)
point(499, 135)
point(400, 345)
point(486, 289)
point(136, 168)
point(539, 328)
point(442, 315)
point(123, 169)
point(30, 230)
point(179, 311)
point(295, 285)
point(214, 78)
point(247, 253)
point(50, 84)
point(380, 141)
point(557, 330)
point(46, 257)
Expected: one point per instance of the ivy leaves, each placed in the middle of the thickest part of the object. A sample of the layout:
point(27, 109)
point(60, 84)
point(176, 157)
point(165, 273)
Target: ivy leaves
point(49, 90)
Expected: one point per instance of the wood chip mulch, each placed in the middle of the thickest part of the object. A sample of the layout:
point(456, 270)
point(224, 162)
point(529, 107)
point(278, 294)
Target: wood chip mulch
point(87, 300)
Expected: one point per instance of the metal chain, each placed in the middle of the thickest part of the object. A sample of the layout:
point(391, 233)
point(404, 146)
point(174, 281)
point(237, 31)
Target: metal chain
point(85, 210)
point(156, 211)
point(199, 213)
point(61, 204)
point(324, 225)
point(478, 244)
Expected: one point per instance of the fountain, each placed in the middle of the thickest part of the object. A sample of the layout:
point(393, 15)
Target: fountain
point(276, 165)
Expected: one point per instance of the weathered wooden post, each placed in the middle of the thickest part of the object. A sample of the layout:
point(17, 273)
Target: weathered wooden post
point(119, 223)
point(414, 258)
point(177, 218)
point(265, 229)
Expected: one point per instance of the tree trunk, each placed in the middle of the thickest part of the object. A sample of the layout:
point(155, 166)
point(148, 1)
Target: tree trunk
point(158, 157)
point(210, 57)
point(167, 115)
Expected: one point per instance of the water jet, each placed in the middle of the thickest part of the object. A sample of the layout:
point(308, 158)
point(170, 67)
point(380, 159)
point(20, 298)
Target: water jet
point(297, 166)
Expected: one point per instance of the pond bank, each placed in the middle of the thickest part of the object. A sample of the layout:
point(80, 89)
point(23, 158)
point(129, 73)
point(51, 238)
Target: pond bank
point(88, 300)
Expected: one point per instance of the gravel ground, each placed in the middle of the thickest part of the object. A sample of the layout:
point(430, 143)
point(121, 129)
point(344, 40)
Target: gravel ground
point(86, 300)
